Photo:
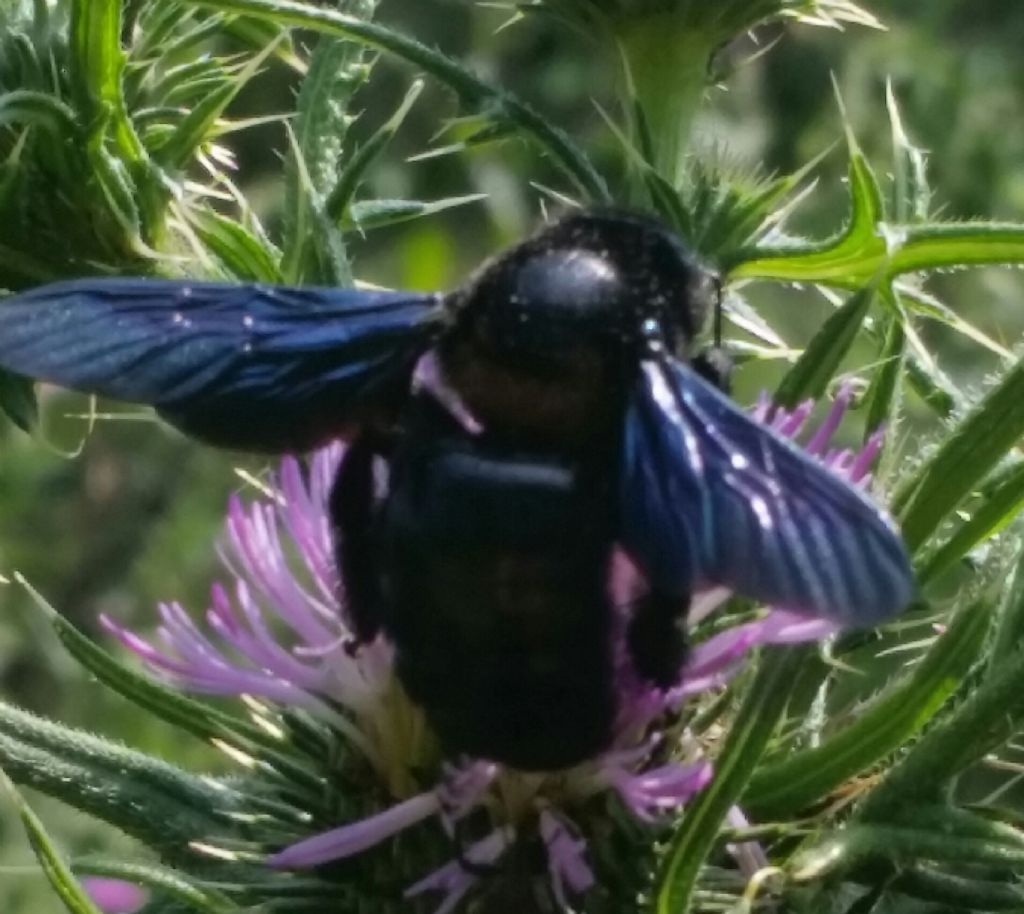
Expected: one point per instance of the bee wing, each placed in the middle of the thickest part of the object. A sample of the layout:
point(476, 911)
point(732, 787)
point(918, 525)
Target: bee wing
point(711, 496)
point(254, 367)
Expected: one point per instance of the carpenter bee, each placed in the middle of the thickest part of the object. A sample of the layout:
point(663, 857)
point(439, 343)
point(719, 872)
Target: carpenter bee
point(546, 413)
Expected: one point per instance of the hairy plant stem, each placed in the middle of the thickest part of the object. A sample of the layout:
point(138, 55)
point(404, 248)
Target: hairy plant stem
point(667, 63)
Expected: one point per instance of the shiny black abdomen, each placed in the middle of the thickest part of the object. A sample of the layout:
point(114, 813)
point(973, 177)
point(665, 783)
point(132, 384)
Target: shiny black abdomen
point(494, 566)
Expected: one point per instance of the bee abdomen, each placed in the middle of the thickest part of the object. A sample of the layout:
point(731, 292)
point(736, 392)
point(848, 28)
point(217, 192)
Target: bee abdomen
point(495, 581)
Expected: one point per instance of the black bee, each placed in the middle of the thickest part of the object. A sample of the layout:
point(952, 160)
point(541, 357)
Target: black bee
point(535, 419)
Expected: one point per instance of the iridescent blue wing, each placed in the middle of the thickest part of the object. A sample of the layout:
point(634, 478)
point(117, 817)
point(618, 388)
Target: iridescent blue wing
point(711, 496)
point(245, 366)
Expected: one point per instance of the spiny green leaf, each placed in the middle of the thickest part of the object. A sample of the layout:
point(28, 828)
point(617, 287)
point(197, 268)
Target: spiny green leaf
point(882, 398)
point(851, 259)
point(370, 214)
point(911, 192)
point(119, 192)
point(903, 249)
point(201, 720)
point(968, 454)
point(487, 131)
point(155, 26)
point(785, 787)
point(246, 256)
point(256, 34)
point(162, 806)
point(931, 385)
point(919, 302)
point(473, 90)
point(726, 207)
point(57, 872)
point(195, 127)
point(820, 361)
point(341, 196)
point(762, 708)
point(858, 844)
point(314, 250)
point(992, 714)
point(160, 879)
point(958, 892)
point(998, 508)
point(23, 106)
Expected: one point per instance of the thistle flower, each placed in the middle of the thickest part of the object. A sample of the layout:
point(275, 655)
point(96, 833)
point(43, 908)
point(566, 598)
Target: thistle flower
point(280, 632)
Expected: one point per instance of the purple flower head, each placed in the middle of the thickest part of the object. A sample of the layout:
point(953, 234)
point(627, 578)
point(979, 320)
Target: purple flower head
point(280, 631)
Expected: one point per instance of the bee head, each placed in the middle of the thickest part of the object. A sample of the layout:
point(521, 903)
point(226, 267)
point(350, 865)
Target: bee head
point(611, 279)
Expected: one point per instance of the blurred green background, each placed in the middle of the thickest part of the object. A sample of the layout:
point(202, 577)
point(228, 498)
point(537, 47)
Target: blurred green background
point(133, 518)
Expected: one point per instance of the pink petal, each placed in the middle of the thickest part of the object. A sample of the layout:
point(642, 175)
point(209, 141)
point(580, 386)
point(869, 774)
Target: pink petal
point(357, 836)
point(115, 896)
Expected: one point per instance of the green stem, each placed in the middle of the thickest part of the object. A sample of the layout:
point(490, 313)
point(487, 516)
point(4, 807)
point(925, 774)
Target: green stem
point(667, 61)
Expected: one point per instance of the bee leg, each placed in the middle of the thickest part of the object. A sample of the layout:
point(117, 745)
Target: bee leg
point(714, 364)
point(351, 506)
point(656, 637)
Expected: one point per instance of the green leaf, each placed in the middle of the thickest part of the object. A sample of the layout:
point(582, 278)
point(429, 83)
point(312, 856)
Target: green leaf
point(195, 128)
point(340, 199)
point(786, 787)
point(162, 806)
point(911, 191)
point(999, 506)
point(840, 261)
point(870, 246)
point(859, 844)
point(57, 872)
point(23, 106)
point(931, 385)
point(156, 25)
point(258, 34)
point(247, 257)
point(966, 893)
point(883, 395)
point(965, 457)
point(907, 249)
point(204, 721)
point(201, 720)
point(164, 880)
point(820, 361)
point(753, 726)
point(917, 301)
point(337, 70)
point(18, 400)
point(370, 214)
point(471, 89)
point(992, 714)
